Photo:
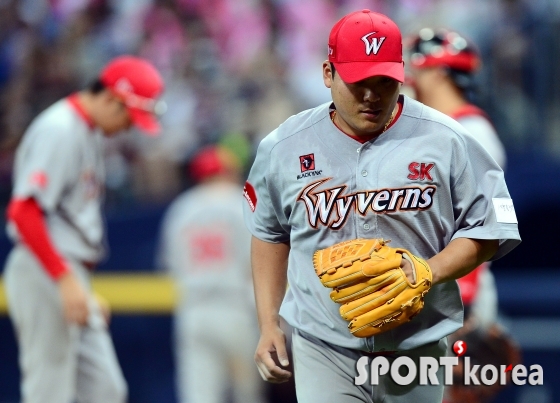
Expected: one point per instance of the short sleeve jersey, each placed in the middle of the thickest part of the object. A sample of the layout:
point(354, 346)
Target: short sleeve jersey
point(421, 184)
point(59, 163)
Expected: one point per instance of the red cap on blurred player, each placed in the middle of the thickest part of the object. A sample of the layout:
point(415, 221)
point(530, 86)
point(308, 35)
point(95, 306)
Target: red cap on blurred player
point(364, 44)
point(138, 83)
point(211, 161)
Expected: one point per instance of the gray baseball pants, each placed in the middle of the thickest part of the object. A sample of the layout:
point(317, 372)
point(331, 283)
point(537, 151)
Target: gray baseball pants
point(59, 362)
point(325, 373)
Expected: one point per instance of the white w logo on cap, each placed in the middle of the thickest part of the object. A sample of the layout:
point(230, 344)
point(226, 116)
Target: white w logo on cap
point(374, 45)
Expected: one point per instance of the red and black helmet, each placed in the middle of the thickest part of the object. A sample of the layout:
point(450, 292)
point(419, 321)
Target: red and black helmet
point(442, 47)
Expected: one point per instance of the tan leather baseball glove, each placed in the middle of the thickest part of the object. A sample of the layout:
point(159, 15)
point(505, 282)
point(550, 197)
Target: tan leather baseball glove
point(367, 280)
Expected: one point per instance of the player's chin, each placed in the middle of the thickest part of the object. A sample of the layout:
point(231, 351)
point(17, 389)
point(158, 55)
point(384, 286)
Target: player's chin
point(369, 127)
point(112, 132)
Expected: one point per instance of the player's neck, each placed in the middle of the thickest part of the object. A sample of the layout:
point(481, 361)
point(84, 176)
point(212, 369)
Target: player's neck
point(444, 99)
point(87, 103)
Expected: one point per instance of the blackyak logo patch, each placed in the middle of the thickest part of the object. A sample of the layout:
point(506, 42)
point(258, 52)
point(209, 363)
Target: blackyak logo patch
point(307, 162)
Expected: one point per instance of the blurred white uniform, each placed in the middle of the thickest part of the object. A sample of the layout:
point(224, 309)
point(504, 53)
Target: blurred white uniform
point(206, 248)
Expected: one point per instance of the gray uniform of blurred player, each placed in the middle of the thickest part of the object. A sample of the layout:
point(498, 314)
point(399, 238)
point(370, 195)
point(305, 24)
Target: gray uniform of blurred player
point(65, 351)
point(206, 248)
point(403, 172)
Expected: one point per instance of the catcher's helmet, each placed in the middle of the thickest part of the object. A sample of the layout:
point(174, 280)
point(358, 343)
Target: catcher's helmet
point(445, 48)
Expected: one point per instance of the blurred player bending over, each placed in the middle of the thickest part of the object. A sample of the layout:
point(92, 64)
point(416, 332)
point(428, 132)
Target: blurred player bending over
point(206, 248)
point(55, 221)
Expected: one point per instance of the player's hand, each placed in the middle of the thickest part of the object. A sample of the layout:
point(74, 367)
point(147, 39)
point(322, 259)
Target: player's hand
point(408, 270)
point(271, 355)
point(75, 299)
point(104, 307)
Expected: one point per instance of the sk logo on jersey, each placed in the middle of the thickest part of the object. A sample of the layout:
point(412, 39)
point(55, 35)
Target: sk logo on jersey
point(420, 171)
point(374, 44)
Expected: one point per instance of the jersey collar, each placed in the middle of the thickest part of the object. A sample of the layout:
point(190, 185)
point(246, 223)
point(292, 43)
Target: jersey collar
point(79, 108)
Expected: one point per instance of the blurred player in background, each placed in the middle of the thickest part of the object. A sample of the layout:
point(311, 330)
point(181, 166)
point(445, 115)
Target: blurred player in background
point(442, 66)
point(55, 220)
point(206, 248)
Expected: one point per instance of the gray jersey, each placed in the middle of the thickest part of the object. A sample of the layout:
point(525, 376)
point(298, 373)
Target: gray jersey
point(206, 247)
point(59, 163)
point(421, 184)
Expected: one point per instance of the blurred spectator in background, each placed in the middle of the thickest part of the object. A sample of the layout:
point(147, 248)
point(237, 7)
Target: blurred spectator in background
point(242, 66)
point(56, 223)
point(442, 65)
point(206, 248)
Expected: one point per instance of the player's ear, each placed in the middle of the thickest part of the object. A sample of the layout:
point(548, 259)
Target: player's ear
point(105, 96)
point(328, 74)
point(112, 100)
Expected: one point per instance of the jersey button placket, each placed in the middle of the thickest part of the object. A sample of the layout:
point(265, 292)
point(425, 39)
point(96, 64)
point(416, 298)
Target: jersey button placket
point(363, 184)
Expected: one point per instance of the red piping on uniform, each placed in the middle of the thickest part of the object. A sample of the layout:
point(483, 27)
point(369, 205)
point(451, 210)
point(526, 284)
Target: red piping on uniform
point(75, 102)
point(28, 217)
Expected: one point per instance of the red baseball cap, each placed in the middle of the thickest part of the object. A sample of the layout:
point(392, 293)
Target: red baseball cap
point(138, 83)
point(213, 160)
point(364, 44)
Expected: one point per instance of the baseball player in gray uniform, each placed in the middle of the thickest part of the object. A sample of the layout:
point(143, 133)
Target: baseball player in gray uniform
point(442, 64)
point(371, 164)
point(206, 248)
point(55, 220)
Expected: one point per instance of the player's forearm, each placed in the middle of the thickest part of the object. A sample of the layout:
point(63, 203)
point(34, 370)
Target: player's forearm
point(27, 216)
point(269, 263)
point(460, 257)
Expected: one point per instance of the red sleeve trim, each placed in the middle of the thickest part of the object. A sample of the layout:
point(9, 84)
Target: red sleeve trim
point(28, 217)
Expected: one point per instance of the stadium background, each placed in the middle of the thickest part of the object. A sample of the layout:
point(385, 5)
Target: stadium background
point(234, 69)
